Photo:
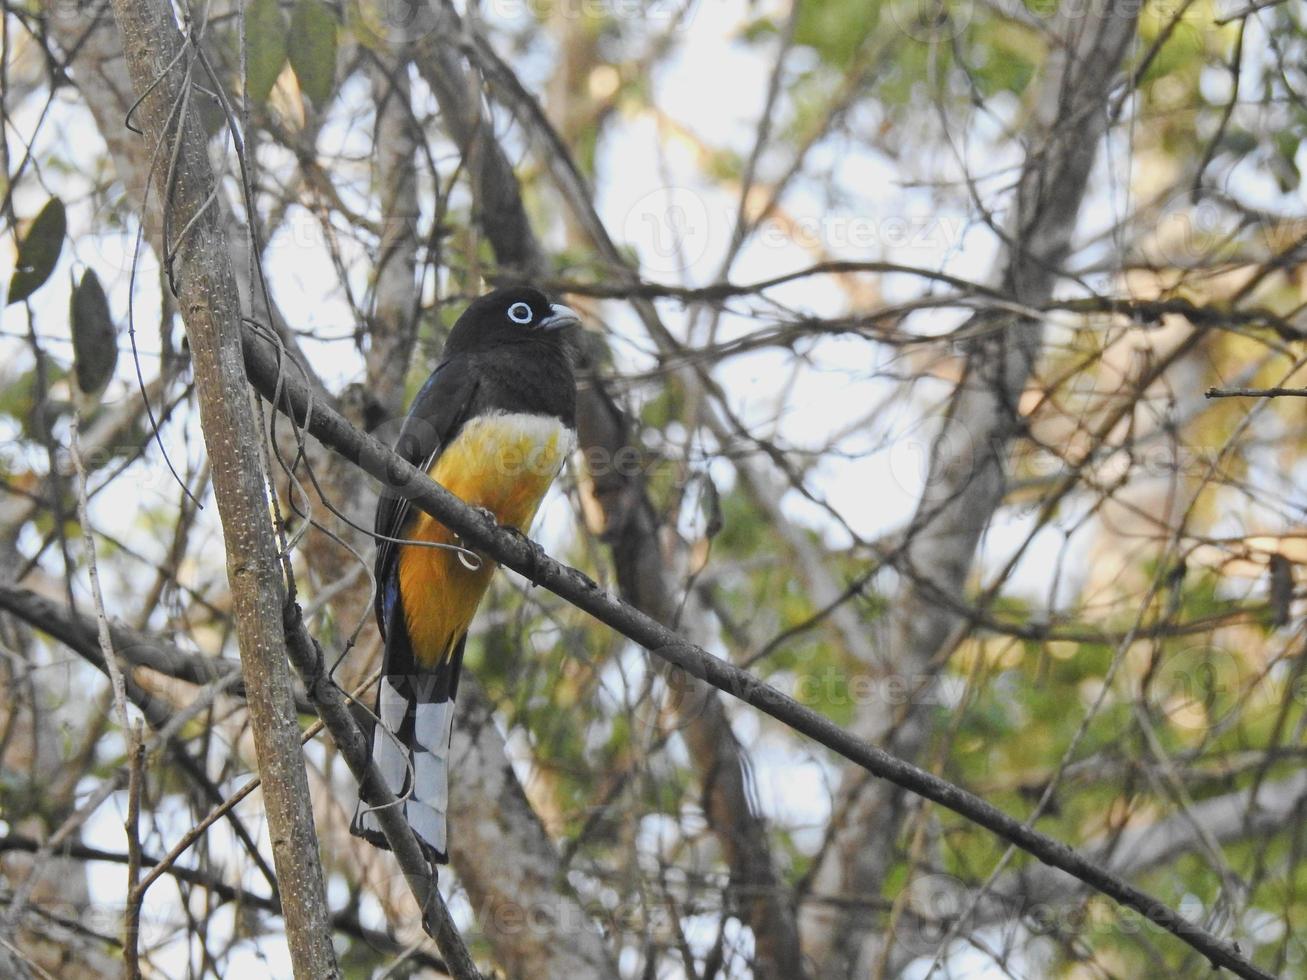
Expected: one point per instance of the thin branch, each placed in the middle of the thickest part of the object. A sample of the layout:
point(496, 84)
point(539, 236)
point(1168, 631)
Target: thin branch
point(77, 632)
point(132, 915)
point(1256, 393)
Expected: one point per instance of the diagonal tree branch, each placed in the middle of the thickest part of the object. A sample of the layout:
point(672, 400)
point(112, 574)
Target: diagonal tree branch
point(1137, 849)
point(77, 633)
point(210, 308)
point(1035, 895)
point(524, 556)
point(139, 649)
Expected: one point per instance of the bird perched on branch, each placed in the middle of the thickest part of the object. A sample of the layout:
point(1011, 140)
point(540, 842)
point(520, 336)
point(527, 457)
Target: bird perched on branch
point(493, 425)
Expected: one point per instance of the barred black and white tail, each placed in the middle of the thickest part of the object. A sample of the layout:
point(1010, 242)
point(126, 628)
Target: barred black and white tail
point(410, 746)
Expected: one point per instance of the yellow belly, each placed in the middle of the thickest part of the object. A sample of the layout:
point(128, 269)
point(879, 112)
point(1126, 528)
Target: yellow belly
point(504, 463)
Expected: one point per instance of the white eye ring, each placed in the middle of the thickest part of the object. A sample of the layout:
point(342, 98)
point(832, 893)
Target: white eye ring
point(520, 313)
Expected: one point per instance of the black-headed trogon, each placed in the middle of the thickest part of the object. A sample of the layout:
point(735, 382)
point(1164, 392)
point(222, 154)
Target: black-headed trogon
point(493, 424)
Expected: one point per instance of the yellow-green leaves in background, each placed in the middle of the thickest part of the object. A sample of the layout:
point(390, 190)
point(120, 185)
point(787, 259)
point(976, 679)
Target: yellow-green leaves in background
point(265, 45)
point(312, 49)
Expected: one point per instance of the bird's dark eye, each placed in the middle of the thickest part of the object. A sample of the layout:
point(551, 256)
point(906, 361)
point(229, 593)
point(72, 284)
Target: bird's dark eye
point(520, 313)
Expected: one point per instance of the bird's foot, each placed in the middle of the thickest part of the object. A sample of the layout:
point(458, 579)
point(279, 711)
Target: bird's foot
point(536, 560)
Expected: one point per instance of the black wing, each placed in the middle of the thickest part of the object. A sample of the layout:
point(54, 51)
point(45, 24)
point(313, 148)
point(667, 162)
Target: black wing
point(439, 411)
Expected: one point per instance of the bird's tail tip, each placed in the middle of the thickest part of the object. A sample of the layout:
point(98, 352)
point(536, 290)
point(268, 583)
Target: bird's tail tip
point(410, 746)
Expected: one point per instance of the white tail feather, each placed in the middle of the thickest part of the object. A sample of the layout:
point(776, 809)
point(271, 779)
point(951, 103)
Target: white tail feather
point(427, 806)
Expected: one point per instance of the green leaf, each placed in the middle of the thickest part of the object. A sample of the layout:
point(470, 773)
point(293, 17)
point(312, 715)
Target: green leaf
point(312, 49)
point(38, 252)
point(266, 43)
point(835, 29)
point(95, 338)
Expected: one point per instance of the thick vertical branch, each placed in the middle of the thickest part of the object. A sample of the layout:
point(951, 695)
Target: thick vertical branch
point(98, 68)
point(966, 479)
point(210, 307)
point(393, 329)
point(509, 866)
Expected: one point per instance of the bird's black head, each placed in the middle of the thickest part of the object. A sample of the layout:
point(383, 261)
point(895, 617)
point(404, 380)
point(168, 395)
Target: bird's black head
point(516, 315)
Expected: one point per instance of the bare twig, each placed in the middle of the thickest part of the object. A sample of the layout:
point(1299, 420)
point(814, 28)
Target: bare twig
point(1256, 393)
point(101, 617)
point(132, 915)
